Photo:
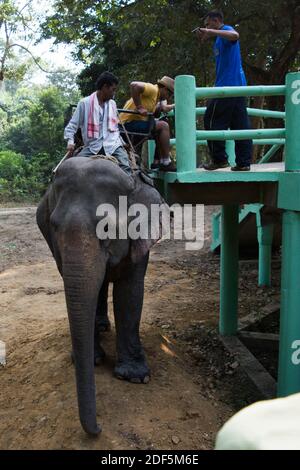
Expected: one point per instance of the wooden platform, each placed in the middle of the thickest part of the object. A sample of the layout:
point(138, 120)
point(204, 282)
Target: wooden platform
point(264, 172)
point(260, 185)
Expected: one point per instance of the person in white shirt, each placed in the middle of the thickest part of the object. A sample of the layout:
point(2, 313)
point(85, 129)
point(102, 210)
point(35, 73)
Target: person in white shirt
point(265, 425)
point(97, 117)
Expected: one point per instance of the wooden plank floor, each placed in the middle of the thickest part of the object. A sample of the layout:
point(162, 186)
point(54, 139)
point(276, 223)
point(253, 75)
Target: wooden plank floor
point(265, 172)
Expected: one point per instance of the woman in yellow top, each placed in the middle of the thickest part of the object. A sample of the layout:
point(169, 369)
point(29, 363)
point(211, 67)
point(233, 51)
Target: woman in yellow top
point(148, 98)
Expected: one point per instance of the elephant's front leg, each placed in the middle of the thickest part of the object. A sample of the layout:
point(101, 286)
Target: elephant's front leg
point(102, 320)
point(128, 294)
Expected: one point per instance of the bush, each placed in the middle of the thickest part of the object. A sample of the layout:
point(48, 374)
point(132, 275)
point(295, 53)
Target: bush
point(24, 179)
point(11, 164)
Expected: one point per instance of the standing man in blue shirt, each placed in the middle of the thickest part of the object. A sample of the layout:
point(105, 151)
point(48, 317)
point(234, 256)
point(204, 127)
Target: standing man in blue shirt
point(224, 113)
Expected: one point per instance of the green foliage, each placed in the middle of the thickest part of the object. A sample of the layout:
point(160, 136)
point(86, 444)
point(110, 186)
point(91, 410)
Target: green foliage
point(146, 39)
point(47, 122)
point(40, 128)
point(22, 178)
point(16, 26)
point(32, 137)
point(65, 83)
point(11, 164)
point(13, 182)
point(31, 117)
point(136, 40)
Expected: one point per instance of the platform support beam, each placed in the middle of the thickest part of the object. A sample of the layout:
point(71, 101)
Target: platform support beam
point(229, 270)
point(289, 347)
point(265, 239)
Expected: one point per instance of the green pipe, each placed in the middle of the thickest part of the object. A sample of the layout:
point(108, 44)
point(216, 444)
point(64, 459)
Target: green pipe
point(268, 141)
point(185, 122)
point(255, 112)
point(292, 105)
point(222, 92)
point(230, 151)
point(198, 142)
point(265, 238)
point(215, 222)
point(289, 359)
point(229, 270)
point(241, 134)
point(278, 142)
point(200, 111)
point(269, 154)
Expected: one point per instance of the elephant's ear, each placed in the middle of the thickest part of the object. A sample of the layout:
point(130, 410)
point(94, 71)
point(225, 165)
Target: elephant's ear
point(150, 199)
point(43, 218)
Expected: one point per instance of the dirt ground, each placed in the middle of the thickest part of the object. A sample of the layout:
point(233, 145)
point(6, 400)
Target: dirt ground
point(195, 385)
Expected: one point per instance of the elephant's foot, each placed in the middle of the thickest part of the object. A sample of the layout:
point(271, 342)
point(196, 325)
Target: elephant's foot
point(134, 371)
point(99, 355)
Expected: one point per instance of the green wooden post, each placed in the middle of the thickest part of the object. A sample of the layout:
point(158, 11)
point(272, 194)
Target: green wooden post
point(185, 122)
point(292, 112)
point(230, 150)
point(289, 359)
point(265, 238)
point(215, 223)
point(151, 151)
point(289, 347)
point(229, 270)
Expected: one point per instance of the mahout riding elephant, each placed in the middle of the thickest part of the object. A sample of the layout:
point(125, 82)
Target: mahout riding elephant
point(68, 221)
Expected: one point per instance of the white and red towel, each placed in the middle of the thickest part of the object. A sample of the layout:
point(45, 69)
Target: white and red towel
point(94, 124)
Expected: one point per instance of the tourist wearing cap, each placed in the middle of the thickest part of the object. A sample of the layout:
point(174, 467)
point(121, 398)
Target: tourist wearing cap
point(148, 98)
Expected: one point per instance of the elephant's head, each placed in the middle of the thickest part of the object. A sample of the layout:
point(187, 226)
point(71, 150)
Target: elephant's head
point(67, 217)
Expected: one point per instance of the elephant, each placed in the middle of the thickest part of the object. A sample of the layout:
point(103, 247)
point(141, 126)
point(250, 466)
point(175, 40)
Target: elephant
point(67, 218)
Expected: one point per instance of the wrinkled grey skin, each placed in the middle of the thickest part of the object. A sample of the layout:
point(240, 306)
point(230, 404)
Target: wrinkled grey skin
point(67, 219)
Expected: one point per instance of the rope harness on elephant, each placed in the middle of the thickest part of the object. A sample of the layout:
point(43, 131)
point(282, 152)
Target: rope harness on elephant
point(137, 171)
point(105, 157)
point(131, 158)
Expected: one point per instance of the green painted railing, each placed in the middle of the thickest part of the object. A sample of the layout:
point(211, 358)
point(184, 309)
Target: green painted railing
point(255, 142)
point(186, 95)
point(187, 137)
point(241, 134)
point(269, 154)
point(229, 92)
point(253, 112)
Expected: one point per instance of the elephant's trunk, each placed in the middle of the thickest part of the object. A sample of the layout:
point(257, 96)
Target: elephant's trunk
point(83, 270)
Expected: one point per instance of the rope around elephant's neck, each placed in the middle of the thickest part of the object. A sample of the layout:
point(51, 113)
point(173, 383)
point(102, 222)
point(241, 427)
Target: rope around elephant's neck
point(105, 157)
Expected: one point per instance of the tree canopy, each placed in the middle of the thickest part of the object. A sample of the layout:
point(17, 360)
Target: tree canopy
point(146, 39)
point(137, 40)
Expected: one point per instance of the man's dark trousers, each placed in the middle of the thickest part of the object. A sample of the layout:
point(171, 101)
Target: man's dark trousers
point(223, 114)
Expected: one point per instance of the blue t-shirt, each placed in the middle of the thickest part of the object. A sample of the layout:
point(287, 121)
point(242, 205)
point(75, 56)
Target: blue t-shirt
point(229, 70)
